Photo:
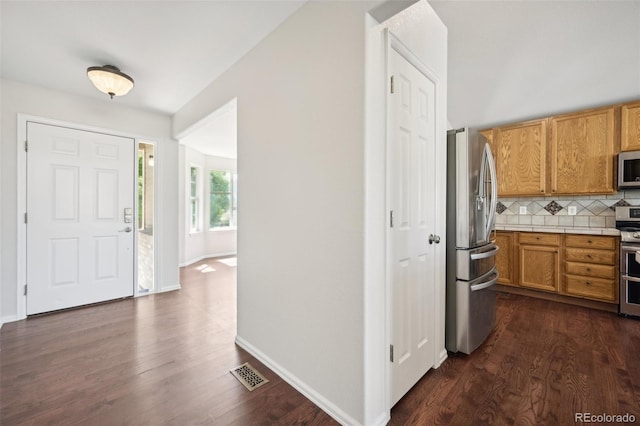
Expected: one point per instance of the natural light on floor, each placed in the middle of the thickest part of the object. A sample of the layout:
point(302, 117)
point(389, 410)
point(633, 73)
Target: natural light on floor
point(229, 261)
point(205, 269)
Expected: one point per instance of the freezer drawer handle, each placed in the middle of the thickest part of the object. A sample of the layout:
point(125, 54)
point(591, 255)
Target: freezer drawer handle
point(484, 255)
point(488, 284)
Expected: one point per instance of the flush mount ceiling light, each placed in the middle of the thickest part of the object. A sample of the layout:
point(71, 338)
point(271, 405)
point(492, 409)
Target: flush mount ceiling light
point(110, 80)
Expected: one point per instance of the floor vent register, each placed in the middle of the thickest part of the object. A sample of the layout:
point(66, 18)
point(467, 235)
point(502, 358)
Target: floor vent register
point(249, 376)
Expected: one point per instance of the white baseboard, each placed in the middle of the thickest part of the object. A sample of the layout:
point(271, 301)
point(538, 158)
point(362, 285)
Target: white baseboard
point(382, 419)
point(8, 318)
point(170, 288)
point(198, 259)
point(443, 358)
point(324, 404)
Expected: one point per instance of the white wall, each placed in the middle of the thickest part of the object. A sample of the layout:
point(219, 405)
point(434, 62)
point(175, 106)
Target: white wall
point(516, 60)
point(107, 114)
point(300, 96)
point(206, 242)
point(301, 235)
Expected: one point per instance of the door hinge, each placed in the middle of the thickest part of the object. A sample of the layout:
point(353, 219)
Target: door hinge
point(25, 217)
point(391, 352)
point(393, 88)
point(391, 219)
point(25, 289)
point(26, 146)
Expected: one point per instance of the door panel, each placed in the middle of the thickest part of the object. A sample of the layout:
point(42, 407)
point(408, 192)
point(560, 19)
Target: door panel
point(78, 185)
point(412, 199)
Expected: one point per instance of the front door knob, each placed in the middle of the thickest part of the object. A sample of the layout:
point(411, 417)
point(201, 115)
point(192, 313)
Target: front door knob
point(434, 239)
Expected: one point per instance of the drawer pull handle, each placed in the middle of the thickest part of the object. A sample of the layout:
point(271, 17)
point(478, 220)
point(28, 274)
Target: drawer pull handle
point(588, 282)
point(588, 269)
point(589, 256)
point(537, 238)
point(590, 241)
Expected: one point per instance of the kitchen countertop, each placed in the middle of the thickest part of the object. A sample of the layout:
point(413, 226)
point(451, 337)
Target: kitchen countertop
point(558, 229)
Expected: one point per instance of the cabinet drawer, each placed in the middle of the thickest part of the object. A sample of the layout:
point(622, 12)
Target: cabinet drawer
point(603, 257)
point(593, 288)
point(591, 241)
point(591, 270)
point(542, 239)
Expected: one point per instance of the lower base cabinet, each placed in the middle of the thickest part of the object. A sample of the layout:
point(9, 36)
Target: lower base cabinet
point(540, 267)
point(576, 265)
point(506, 260)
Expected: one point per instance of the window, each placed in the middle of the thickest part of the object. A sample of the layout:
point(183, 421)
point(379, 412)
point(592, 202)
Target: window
point(194, 200)
point(222, 199)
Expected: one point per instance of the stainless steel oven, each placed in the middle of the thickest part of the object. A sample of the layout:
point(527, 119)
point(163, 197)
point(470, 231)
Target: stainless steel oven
point(628, 222)
point(630, 277)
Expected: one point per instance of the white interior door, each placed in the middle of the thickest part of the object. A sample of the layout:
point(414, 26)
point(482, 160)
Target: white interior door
point(79, 241)
point(412, 197)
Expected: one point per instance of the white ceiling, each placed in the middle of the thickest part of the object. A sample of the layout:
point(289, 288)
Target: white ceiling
point(508, 60)
point(172, 49)
point(217, 134)
point(516, 60)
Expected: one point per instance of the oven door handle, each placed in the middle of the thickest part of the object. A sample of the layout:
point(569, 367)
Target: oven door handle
point(632, 279)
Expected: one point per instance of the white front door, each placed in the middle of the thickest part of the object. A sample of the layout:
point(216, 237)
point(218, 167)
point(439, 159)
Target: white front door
point(80, 200)
point(412, 198)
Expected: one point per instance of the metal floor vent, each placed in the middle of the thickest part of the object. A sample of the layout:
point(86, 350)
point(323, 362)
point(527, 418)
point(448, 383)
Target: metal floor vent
point(249, 376)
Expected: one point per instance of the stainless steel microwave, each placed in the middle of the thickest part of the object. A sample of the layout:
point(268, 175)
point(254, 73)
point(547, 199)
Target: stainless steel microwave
point(629, 170)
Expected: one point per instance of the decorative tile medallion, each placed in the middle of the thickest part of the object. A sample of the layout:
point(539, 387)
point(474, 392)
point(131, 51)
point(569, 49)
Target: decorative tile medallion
point(500, 207)
point(621, 203)
point(553, 207)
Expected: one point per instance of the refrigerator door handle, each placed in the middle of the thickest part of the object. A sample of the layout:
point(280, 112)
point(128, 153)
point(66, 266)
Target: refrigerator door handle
point(484, 255)
point(494, 188)
point(482, 286)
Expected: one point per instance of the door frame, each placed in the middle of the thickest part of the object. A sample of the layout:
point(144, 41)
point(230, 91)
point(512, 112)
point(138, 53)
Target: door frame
point(21, 202)
point(393, 42)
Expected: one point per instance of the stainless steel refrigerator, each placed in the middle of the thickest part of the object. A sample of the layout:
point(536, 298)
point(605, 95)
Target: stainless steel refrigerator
point(471, 272)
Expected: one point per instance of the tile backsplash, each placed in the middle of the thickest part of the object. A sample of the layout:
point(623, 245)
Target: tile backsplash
point(592, 211)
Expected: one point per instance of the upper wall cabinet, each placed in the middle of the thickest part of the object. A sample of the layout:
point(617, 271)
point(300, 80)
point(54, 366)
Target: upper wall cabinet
point(583, 152)
point(520, 152)
point(630, 138)
point(568, 154)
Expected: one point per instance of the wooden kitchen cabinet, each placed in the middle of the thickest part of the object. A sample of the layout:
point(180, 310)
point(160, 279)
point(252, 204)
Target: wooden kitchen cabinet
point(521, 154)
point(506, 258)
point(583, 152)
point(540, 261)
point(591, 269)
point(630, 133)
point(575, 268)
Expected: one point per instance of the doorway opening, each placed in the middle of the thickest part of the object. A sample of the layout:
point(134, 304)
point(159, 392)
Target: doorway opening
point(145, 217)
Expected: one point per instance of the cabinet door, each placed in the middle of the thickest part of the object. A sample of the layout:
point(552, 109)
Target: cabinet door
point(505, 259)
point(540, 267)
point(583, 152)
point(630, 139)
point(520, 152)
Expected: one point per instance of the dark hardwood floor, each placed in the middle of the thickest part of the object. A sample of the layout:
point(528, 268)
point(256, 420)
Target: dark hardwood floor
point(165, 360)
point(158, 360)
point(544, 362)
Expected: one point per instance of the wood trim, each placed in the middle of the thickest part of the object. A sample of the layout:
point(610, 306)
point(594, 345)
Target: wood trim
point(603, 306)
